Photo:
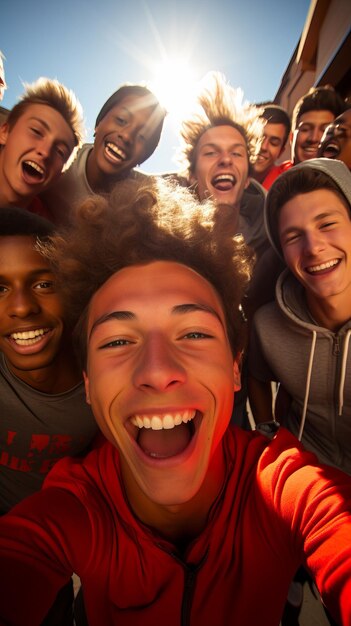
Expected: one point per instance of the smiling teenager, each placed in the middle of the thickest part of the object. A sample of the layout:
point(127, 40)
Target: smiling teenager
point(178, 516)
point(38, 139)
point(44, 416)
point(127, 132)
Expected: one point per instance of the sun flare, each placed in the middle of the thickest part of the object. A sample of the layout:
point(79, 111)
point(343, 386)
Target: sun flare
point(174, 85)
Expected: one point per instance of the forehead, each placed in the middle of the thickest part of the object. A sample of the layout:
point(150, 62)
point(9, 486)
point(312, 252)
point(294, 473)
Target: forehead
point(158, 285)
point(20, 250)
point(306, 206)
point(135, 105)
point(272, 129)
point(316, 117)
point(225, 134)
point(344, 118)
point(51, 118)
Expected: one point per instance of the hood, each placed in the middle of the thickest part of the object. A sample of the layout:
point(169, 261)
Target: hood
point(334, 169)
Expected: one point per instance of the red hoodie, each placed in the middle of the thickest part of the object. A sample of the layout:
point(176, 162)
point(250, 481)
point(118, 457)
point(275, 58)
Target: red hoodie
point(278, 508)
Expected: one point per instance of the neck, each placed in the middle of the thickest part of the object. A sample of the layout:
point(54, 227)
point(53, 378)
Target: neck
point(57, 377)
point(181, 523)
point(331, 313)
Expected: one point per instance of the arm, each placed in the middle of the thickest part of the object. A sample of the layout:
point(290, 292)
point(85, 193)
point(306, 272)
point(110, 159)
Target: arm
point(37, 540)
point(314, 503)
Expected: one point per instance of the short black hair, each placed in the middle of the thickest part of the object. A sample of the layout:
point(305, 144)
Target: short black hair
point(275, 114)
point(323, 98)
point(15, 221)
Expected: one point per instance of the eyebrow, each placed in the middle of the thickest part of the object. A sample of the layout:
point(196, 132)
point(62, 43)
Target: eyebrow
point(179, 309)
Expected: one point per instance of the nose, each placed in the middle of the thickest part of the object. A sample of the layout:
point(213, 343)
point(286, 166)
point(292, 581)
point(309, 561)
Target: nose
point(22, 304)
point(313, 242)
point(264, 144)
point(225, 158)
point(44, 147)
point(158, 368)
point(316, 134)
point(127, 134)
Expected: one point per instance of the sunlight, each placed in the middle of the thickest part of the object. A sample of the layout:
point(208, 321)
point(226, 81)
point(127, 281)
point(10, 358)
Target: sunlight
point(174, 83)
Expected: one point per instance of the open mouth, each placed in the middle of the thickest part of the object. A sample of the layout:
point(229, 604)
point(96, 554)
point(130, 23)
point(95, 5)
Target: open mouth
point(114, 152)
point(33, 172)
point(223, 182)
point(165, 435)
point(323, 268)
point(29, 337)
point(331, 150)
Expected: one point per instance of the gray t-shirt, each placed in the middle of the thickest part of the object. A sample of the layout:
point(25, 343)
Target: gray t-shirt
point(36, 430)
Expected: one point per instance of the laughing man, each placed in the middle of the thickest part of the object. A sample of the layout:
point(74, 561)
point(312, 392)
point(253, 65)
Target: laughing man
point(38, 139)
point(127, 131)
point(178, 516)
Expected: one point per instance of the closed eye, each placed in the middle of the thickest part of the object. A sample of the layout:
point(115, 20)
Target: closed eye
point(328, 224)
point(197, 335)
point(35, 131)
point(116, 343)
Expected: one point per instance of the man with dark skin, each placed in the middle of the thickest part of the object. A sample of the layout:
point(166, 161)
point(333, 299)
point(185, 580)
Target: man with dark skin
point(127, 131)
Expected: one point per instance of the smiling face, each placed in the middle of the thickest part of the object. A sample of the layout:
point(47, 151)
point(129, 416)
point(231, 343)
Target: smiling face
point(34, 152)
point(31, 311)
point(336, 141)
point(308, 134)
point(221, 165)
point(315, 235)
point(160, 376)
point(121, 139)
point(271, 147)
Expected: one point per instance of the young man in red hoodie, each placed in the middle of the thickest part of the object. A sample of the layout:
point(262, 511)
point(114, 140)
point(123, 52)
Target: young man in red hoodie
point(178, 518)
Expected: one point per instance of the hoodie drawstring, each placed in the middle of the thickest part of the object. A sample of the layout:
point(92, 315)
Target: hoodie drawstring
point(308, 384)
point(343, 371)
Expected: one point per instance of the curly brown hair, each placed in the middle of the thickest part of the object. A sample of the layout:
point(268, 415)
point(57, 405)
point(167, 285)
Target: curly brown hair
point(138, 224)
point(219, 104)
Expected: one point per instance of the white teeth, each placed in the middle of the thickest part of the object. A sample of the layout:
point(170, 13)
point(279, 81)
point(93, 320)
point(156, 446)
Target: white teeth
point(323, 266)
point(116, 150)
point(166, 421)
point(28, 337)
point(224, 177)
point(36, 167)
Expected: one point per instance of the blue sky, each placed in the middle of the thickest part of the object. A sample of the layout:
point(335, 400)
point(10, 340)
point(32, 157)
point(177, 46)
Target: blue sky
point(95, 46)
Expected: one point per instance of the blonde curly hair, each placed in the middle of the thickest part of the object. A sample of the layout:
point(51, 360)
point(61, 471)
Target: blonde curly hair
point(219, 104)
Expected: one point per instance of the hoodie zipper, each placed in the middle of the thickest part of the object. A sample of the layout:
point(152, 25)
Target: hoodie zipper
point(190, 573)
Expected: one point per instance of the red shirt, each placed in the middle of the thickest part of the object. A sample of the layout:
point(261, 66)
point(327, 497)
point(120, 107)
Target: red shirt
point(275, 172)
point(277, 508)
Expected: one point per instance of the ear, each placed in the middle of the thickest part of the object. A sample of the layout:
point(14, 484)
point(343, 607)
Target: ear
point(86, 385)
point(237, 376)
point(4, 133)
point(291, 137)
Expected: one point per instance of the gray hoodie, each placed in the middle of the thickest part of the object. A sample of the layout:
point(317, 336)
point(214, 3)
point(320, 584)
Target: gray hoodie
point(312, 363)
point(314, 366)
